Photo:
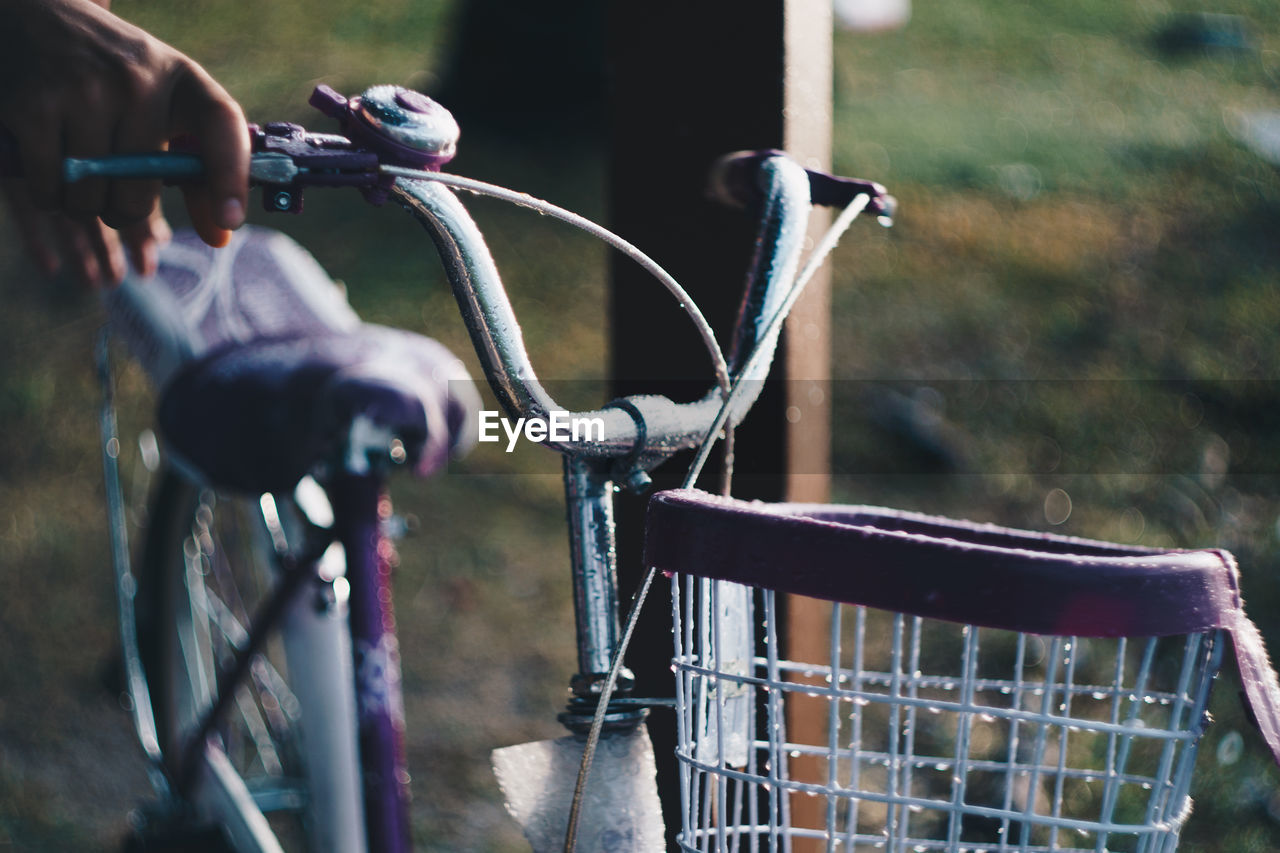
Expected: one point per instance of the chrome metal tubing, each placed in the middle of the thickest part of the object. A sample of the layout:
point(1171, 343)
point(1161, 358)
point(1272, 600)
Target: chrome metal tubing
point(495, 332)
point(589, 503)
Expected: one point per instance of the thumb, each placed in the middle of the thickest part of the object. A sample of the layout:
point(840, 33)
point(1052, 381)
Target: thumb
point(203, 108)
point(200, 207)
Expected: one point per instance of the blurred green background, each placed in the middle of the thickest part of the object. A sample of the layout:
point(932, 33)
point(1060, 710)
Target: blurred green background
point(1072, 326)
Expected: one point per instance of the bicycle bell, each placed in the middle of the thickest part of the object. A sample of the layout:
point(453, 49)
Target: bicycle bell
point(405, 127)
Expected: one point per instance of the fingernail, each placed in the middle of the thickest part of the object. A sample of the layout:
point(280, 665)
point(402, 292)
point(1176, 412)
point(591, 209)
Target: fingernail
point(232, 213)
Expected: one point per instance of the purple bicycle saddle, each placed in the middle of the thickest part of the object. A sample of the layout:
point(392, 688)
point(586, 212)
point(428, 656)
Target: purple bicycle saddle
point(258, 416)
point(261, 285)
point(266, 371)
point(976, 574)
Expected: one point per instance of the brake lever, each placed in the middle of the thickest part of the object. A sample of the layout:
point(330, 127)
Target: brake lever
point(286, 159)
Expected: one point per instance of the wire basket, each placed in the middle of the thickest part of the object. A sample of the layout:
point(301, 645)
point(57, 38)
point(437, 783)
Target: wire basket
point(966, 688)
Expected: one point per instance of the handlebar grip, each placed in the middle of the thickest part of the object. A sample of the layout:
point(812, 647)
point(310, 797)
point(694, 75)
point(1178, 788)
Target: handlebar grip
point(166, 165)
point(734, 181)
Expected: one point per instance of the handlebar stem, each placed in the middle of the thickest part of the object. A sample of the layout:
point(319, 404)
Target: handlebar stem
point(589, 503)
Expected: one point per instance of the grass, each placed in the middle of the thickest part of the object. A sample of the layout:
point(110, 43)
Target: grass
point(1073, 324)
point(1081, 293)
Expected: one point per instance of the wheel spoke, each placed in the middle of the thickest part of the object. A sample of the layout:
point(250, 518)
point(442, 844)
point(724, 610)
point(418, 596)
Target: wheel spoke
point(212, 567)
point(256, 728)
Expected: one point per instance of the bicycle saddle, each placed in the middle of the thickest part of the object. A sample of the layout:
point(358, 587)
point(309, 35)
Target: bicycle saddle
point(259, 416)
point(261, 285)
point(266, 372)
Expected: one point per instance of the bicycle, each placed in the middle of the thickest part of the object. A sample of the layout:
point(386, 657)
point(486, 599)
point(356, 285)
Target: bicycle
point(270, 518)
point(731, 701)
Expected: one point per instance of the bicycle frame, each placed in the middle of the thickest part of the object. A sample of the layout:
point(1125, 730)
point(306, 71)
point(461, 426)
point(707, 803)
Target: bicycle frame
point(361, 511)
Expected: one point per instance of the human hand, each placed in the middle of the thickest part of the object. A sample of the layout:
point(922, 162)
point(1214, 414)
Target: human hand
point(85, 247)
point(80, 82)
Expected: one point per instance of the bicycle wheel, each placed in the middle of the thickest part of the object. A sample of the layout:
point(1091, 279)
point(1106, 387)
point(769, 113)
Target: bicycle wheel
point(209, 562)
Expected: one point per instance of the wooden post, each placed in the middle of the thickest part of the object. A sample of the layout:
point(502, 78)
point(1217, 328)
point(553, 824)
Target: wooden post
point(691, 82)
point(808, 369)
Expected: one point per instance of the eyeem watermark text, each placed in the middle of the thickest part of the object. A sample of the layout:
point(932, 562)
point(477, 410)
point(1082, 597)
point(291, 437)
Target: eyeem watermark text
point(559, 427)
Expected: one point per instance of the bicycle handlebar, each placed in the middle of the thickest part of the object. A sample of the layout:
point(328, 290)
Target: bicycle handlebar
point(394, 144)
point(666, 426)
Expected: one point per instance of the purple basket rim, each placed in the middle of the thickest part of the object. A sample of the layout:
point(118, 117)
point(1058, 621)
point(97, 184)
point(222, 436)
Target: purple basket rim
point(966, 572)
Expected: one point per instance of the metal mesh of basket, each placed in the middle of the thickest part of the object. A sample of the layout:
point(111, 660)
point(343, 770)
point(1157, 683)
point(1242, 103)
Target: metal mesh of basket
point(916, 729)
point(930, 735)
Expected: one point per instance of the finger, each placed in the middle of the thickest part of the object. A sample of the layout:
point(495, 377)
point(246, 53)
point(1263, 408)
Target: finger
point(88, 134)
point(33, 227)
point(129, 202)
point(91, 250)
point(144, 240)
point(77, 253)
point(200, 208)
point(203, 108)
point(133, 201)
point(40, 140)
point(40, 247)
point(105, 245)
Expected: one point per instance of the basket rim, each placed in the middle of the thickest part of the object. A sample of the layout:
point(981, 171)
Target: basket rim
point(961, 571)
